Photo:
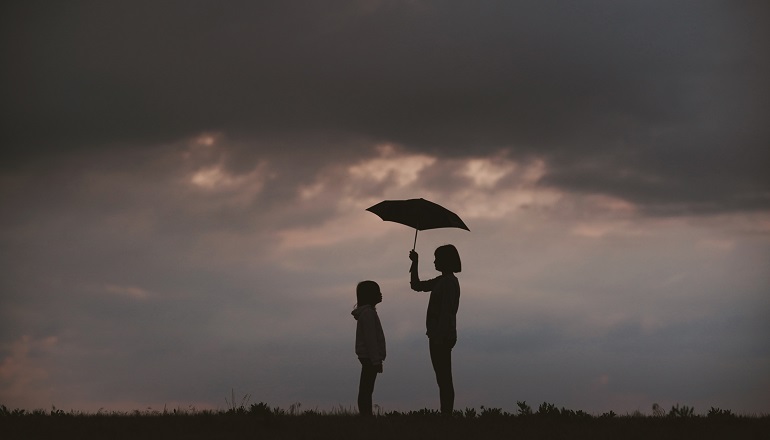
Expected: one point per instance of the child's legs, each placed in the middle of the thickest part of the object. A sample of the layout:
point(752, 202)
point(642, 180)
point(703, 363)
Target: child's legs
point(366, 387)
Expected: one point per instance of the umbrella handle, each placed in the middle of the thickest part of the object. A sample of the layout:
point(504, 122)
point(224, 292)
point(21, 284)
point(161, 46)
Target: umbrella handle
point(415, 238)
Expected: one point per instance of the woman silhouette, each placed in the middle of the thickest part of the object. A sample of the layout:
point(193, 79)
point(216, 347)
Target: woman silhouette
point(441, 318)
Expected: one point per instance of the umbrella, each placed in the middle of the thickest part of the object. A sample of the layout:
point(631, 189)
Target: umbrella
point(420, 214)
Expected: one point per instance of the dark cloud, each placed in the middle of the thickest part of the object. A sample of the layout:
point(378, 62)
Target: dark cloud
point(662, 104)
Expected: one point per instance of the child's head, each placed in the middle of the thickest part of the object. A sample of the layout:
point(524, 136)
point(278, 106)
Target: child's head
point(368, 292)
point(447, 259)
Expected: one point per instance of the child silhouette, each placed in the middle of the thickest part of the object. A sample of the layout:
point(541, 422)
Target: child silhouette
point(370, 342)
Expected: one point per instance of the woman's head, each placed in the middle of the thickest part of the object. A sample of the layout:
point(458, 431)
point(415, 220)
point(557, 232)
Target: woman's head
point(368, 292)
point(447, 259)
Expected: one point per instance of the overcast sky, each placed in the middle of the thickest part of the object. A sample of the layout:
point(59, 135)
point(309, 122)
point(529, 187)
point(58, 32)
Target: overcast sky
point(183, 189)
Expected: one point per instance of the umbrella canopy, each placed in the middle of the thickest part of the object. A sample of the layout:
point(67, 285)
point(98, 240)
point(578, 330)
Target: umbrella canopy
point(420, 214)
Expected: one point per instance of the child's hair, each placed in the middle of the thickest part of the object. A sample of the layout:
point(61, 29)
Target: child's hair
point(448, 258)
point(366, 292)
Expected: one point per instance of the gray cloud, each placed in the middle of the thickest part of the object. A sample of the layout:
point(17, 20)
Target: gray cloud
point(127, 284)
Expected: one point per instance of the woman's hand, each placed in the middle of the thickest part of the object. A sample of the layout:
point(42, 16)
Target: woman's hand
point(414, 256)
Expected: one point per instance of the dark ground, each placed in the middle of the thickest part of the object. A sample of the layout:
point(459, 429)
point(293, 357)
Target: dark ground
point(391, 426)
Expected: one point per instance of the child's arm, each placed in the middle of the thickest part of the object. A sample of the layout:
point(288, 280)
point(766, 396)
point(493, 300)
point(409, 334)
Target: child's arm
point(369, 321)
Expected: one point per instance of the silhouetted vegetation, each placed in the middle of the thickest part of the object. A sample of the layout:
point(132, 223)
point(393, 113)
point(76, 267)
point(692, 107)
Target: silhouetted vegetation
point(260, 420)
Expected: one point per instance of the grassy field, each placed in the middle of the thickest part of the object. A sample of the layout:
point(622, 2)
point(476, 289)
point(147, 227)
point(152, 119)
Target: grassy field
point(260, 421)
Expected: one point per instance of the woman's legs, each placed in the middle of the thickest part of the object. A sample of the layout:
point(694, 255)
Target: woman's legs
point(441, 357)
point(366, 387)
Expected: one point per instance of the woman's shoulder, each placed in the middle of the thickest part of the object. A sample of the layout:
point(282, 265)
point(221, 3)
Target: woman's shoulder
point(450, 281)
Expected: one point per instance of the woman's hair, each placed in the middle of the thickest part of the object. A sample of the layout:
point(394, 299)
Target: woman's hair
point(366, 293)
point(448, 259)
